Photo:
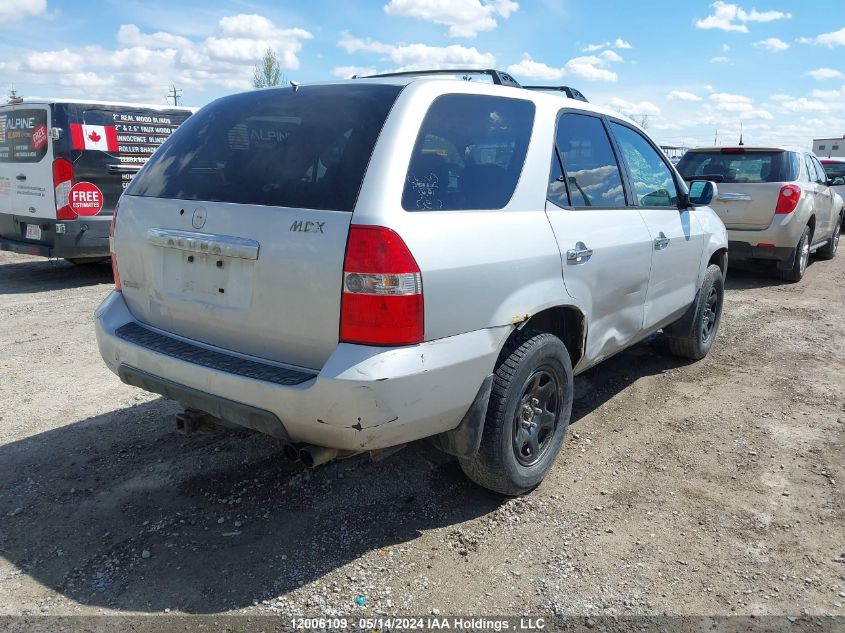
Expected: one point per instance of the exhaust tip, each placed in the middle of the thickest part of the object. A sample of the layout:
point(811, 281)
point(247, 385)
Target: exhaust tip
point(306, 458)
point(291, 452)
point(313, 456)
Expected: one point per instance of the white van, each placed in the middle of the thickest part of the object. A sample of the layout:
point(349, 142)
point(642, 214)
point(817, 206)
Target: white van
point(63, 166)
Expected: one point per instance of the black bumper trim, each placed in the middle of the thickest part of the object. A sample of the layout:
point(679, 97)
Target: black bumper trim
point(25, 248)
point(136, 334)
point(222, 408)
point(744, 252)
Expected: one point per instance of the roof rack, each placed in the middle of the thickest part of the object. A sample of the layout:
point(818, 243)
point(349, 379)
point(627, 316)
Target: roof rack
point(499, 77)
point(572, 93)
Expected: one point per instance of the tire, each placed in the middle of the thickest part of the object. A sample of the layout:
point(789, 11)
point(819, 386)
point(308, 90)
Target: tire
point(693, 334)
point(828, 251)
point(532, 380)
point(802, 258)
point(85, 261)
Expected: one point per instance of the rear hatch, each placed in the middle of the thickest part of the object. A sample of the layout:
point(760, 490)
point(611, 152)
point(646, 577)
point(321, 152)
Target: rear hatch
point(749, 181)
point(234, 233)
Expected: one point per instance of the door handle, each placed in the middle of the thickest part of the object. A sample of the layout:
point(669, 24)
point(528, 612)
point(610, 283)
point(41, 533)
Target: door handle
point(20, 177)
point(661, 242)
point(581, 251)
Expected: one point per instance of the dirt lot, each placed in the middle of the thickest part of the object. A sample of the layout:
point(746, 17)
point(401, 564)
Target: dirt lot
point(705, 488)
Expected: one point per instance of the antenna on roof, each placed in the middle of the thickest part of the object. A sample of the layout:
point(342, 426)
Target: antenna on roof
point(740, 134)
point(716, 137)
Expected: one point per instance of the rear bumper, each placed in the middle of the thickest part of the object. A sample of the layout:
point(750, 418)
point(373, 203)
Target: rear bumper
point(782, 256)
point(364, 398)
point(85, 237)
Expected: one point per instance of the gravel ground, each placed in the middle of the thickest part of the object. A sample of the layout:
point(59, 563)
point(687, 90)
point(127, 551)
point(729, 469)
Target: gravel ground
point(702, 488)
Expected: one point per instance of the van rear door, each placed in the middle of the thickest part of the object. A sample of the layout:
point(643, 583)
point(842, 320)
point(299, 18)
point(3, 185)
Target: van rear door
point(235, 231)
point(110, 143)
point(26, 177)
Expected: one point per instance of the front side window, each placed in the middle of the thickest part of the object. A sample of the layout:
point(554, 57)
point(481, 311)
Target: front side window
point(23, 135)
point(306, 148)
point(469, 153)
point(592, 172)
point(652, 180)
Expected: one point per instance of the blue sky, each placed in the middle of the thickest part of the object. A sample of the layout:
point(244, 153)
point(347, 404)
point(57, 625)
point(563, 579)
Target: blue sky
point(694, 67)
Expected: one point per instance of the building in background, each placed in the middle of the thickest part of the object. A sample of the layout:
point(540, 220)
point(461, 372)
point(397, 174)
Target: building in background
point(829, 147)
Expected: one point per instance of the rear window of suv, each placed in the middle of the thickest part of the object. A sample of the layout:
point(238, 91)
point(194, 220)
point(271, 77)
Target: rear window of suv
point(731, 166)
point(305, 148)
point(469, 153)
point(23, 135)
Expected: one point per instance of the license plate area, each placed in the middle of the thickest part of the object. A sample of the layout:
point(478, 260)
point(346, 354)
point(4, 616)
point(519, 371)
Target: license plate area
point(33, 232)
point(212, 279)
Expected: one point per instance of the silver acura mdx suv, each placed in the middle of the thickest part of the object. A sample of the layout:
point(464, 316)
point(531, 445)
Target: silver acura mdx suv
point(354, 265)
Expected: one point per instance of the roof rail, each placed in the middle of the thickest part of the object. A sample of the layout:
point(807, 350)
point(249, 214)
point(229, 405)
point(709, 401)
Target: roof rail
point(572, 93)
point(499, 77)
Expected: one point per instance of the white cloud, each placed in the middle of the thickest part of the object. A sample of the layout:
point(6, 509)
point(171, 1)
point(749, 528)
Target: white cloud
point(732, 17)
point(720, 60)
point(465, 18)
point(53, 61)
point(741, 105)
point(834, 38)
point(617, 43)
point(772, 44)
point(130, 35)
point(631, 108)
point(682, 95)
point(347, 72)
point(14, 10)
point(820, 74)
point(588, 67)
point(418, 56)
point(145, 64)
point(725, 48)
point(611, 56)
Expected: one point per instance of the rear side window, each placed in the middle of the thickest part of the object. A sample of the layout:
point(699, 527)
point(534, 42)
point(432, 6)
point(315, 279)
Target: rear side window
point(651, 178)
point(469, 153)
point(306, 148)
point(738, 167)
point(23, 135)
point(592, 172)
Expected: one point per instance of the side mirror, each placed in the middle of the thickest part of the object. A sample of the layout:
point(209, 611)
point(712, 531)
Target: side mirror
point(702, 192)
point(836, 182)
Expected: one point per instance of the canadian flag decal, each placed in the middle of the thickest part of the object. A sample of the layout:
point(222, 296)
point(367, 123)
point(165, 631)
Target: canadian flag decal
point(100, 137)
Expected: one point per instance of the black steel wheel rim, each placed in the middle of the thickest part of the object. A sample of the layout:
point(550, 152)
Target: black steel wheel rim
point(537, 415)
point(711, 315)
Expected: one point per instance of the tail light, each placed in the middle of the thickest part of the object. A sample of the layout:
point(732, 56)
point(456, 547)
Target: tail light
point(788, 199)
point(115, 272)
point(62, 182)
point(382, 300)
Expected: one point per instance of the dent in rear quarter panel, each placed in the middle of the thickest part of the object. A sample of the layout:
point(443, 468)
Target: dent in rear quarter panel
point(716, 237)
point(480, 269)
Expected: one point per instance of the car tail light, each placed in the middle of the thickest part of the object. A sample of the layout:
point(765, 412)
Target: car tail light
point(733, 150)
point(115, 272)
point(788, 199)
point(62, 182)
point(382, 299)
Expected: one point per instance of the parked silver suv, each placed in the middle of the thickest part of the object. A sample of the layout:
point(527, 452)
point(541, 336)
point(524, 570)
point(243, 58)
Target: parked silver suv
point(354, 265)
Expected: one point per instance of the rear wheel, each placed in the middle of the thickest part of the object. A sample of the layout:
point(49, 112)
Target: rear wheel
point(693, 334)
point(529, 410)
point(828, 251)
point(802, 258)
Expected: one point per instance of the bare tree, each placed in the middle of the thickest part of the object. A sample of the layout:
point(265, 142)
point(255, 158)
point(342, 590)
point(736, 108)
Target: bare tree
point(267, 72)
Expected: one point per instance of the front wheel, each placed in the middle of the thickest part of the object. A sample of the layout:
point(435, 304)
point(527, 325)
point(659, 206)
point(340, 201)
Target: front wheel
point(828, 251)
point(693, 334)
point(802, 258)
point(529, 410)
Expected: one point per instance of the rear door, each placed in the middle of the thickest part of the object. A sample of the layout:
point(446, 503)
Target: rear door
point(110, 143)
point(677, 238)
point(25, 166)
point(824, 201)
point(749, 181)
point(234, 233)
point(603, 240)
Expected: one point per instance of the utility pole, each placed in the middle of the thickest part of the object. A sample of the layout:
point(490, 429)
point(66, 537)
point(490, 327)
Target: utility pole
point(175, 94)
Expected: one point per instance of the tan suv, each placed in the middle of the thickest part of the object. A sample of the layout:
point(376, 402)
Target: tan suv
point(778, 205)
